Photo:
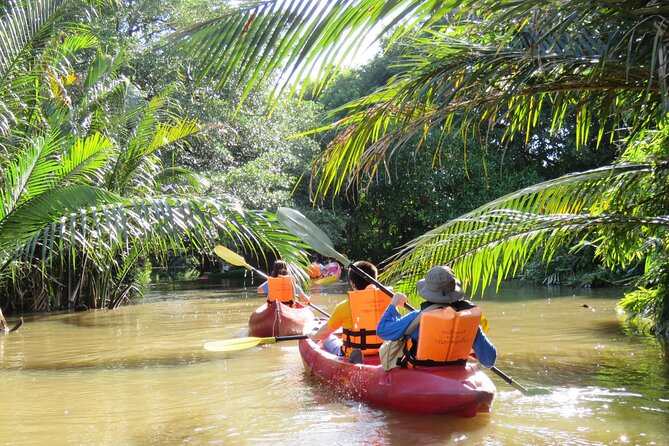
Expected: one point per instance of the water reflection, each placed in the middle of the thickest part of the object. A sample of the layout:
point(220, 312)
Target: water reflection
point(138, 375)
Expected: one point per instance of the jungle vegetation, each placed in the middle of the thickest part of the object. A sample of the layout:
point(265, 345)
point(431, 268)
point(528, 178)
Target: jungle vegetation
point(488, 135)
point(596, 69)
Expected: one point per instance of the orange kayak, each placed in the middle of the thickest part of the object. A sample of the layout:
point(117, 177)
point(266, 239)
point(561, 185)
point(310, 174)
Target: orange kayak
point(455, 390)
point(276, 319)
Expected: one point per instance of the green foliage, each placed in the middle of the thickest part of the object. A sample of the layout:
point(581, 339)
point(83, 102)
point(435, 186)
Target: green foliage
point(576, 268)
point(419, 194)
point(647, 306)
point(596, 69)
point(83, 173)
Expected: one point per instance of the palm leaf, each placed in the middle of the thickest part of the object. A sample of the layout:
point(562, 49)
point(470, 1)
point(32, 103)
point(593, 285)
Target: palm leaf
point(497, 239)
point(26, 28)
point(102, 225)
point(585, 71)
point(299, 36)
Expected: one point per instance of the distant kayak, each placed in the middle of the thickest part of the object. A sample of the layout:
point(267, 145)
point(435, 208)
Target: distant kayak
point(331, 274)
point(276, 319)
point(455, 390)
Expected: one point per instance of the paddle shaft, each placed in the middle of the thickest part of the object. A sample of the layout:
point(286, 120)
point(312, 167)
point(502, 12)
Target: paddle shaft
point(289, 338)
point(509, 380)
point(376, 283)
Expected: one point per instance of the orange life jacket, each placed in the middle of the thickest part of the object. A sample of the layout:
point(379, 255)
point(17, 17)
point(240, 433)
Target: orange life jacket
point(280, 288)
point(367, 307)
point(315, 271)
point(446, 336)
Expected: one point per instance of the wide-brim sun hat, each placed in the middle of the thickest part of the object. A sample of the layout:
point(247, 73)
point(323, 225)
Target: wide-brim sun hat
point(440, 286)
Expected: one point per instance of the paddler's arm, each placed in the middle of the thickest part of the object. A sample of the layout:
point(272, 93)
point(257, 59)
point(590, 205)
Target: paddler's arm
point(392, 325)
point(333, 323)
point(485, 351)
point(264, 288)
point(322, 332)
point(303, 297)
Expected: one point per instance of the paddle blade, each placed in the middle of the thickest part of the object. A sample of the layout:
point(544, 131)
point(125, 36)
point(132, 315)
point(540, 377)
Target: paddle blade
point(538, 391)
point(230, 256)
point(232, 345)
point(301, 227)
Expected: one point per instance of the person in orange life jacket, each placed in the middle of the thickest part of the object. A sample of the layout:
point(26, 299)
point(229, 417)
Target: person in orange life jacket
point(315, 270)
point(342, 317)
point(282, 287)
point(439, 287)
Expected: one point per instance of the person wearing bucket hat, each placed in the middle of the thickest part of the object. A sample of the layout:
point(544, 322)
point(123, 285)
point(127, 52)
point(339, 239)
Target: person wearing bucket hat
point(440, 288)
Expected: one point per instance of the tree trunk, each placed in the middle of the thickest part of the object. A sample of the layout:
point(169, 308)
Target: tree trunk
point(3, 323)
point(4, 328)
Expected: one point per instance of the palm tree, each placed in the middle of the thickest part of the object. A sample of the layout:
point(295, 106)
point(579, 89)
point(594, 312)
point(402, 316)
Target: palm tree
point(81, 172)
point(477, 64)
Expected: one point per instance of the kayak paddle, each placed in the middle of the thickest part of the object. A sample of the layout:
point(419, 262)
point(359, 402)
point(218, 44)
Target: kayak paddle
point(523, 390)
point(232, 345)
point(235, 259)
point(303, 228)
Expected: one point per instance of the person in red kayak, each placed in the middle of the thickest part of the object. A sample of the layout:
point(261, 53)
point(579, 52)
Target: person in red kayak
point(431, 343)
point(281, 286)
point(357, 316)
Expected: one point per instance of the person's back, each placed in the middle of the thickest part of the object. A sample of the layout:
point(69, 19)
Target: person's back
point(281, 287)
point(366, 307)
point(446, 334)
point(315, 270)
point(358, 329)
point(448, 325)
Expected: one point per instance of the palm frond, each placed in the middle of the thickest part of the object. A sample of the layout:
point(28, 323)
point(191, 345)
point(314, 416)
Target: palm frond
point(29, 174)
point(299, 36)
point(497, 239)
point(600, 75)
point(85, 159)
point(33, 214)
point(175, 175)
point(114, 225)
point(25, 31)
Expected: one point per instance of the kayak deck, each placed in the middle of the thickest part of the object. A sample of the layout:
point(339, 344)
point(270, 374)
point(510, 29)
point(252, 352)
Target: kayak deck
point(457, 390)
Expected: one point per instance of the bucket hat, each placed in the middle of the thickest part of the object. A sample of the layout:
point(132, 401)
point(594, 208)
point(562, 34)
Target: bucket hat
point(440, 286)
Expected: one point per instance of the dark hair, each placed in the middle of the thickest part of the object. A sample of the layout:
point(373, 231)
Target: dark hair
point(280, 268)
point(358, 282)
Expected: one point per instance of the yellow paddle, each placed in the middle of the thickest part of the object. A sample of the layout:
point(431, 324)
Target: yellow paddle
point(235, 259)
point(233, 345)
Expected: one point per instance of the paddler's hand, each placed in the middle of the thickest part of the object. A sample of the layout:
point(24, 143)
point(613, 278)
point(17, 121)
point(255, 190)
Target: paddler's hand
point(398, 300)
point(305, 299)
point(313, 332)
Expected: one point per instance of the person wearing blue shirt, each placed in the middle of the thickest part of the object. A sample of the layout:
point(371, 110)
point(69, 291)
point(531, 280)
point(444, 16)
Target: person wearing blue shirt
point(439, 288)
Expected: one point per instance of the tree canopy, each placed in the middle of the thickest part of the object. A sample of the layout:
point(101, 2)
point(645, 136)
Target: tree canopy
point(598, 69)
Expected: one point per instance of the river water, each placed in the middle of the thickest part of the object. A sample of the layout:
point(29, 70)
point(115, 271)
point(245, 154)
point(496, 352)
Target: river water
point(138, 375)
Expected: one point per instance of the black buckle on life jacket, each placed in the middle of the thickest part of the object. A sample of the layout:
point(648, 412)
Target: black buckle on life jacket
point(410, 358)
point(362, 334)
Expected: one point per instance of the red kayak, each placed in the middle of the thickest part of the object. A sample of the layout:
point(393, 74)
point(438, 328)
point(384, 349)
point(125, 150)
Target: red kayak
point(455, 390)
point(277, 319)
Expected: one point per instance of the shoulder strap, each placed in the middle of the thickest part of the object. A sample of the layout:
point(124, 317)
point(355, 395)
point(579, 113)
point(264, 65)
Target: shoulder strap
point(412, 326)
